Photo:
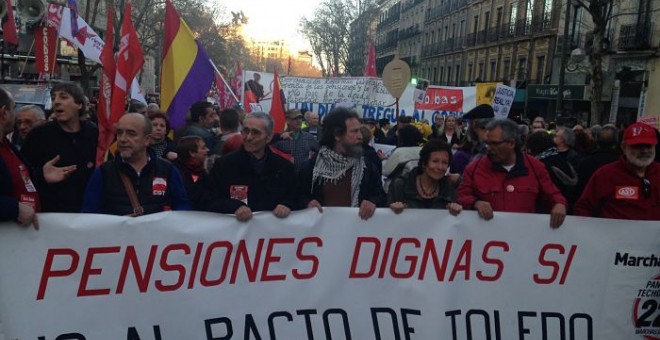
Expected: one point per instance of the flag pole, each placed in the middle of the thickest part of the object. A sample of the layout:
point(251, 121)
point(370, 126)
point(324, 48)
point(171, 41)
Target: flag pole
point(224, 81)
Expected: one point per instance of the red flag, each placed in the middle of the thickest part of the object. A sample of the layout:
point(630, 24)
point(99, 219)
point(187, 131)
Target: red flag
point(9, 26)
point(277, 105)
point(129, 62)
point(370, 69)
point(225, 96)
point(106, 130)
point(249, 98)
point(237, 82)
point(45, 42)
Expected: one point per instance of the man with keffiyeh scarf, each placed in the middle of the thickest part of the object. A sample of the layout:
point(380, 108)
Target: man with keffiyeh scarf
point(339, 175)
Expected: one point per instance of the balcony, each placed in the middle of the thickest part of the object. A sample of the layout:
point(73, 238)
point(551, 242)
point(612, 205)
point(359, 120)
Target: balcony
point(410, 4)
point(409, 32)
point(447, 46)
point(392, 18)
point(542, 24)
point(523, 27)
point(635, 37)
point(387, 45)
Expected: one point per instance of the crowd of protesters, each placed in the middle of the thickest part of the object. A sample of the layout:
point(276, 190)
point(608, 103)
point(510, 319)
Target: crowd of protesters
point(230, 162)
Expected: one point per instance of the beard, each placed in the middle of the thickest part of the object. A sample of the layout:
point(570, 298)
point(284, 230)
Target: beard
point(639, 160)
point(353, 151)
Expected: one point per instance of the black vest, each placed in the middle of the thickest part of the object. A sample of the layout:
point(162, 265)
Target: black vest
point(151, 187)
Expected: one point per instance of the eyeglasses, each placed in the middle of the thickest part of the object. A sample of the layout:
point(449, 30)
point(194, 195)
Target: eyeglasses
point(646, 187)
point(495, 143)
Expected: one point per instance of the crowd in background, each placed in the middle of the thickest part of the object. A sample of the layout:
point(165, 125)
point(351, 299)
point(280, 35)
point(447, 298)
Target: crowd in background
point(232, 162)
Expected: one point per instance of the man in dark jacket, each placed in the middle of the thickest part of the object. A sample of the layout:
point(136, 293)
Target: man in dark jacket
point(19, 199)
point(155, 181)
point(70, 140)
point(254, 178)
point(607, 152)
point(339, 175)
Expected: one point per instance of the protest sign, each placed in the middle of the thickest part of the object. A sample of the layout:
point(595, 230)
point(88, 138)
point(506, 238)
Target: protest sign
point(422, 274)
point(503, 100)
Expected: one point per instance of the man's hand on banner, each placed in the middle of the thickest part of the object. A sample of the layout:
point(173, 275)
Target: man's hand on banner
point(367, 210)
point(484, 209)
point(243, 214)
point(315, 204)
point(557, 215)
point(281, 211)
point(26, 214)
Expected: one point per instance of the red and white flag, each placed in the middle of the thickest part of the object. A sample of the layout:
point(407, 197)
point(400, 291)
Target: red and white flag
point(129, 62)
point(106, 122)
point(225, 94)
point(45, 48)
point(237, 82)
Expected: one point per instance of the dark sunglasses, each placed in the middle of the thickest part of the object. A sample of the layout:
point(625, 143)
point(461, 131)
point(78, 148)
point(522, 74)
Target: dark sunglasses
point(646, 187)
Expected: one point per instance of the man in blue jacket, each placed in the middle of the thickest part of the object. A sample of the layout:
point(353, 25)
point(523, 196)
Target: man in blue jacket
point(136, 170)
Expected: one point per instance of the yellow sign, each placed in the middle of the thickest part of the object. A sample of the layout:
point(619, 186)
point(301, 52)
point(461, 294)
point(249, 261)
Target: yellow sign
point(486, 93)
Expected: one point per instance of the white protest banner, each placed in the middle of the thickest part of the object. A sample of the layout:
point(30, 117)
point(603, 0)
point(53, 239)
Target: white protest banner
point(321, 95)
point(503, 100)
point(423, 274)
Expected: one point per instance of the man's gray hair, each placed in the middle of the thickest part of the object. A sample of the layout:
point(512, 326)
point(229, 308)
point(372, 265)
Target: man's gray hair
point(263, 116)
point(510, 130)
point(41, 115)
point(567, 135)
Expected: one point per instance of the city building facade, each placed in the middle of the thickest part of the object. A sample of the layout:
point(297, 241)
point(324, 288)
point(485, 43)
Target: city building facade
point(521, 43)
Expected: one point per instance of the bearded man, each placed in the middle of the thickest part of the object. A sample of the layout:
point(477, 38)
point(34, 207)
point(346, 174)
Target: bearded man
point(630, 187)
point(339, 175)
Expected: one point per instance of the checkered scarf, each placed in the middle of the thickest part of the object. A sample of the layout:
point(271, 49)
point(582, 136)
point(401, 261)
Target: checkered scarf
point(331, 167)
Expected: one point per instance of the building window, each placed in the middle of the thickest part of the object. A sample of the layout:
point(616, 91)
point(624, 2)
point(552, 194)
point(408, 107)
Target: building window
point(457, 82)
point(507, 69)
point(442, 75)
point(493, 70)
point(481, 71)
point(487, 21)
point(513, 14)
point(540, 69)
point(470, 74)
point(448, 75)
point(522, 65)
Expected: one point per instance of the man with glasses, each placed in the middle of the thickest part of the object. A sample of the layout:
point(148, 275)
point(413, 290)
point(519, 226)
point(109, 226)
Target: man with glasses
point(630, 187)
point(509, 180)
point(254, 178)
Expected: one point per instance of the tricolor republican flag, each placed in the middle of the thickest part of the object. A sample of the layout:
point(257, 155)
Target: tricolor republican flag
point(187, 73)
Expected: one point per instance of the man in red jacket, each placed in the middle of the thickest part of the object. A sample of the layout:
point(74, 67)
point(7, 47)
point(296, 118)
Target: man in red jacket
point(630, 187)
point(508, 180)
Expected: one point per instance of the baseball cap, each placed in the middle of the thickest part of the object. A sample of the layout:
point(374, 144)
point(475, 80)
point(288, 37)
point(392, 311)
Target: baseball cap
point(293, 113)
point(483, 111)
point(640, 133)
